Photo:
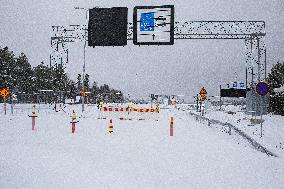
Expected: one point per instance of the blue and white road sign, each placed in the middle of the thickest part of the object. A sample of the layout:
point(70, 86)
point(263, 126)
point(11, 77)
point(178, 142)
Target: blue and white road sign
point(153, 25)
point(147, 22)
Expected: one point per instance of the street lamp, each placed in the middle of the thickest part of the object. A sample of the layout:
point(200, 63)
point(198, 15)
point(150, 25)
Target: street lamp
point(85, 44)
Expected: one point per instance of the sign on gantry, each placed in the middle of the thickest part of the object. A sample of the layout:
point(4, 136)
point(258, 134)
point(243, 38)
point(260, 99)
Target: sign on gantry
point(153, 25)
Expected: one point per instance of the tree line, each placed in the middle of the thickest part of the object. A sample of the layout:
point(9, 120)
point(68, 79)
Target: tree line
point(48, 83)
point(276, 81)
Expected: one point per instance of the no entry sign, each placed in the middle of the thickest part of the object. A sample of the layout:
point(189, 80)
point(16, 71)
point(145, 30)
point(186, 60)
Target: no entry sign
point(262, 88)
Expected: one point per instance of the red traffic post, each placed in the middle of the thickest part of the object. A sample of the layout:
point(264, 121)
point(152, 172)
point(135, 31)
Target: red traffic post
point(110, 127)
point(172, 127)
point(33, 116)
point(73, 122)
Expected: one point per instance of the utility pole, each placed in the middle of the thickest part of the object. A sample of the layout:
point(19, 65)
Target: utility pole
point(84, 65)
point(220, 98)
point(265, 64)
point(197, 102)
point(258, 59)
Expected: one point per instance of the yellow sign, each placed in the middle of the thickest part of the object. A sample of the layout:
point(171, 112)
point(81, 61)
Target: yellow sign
point(4, 92)
point(202, 97)
point(203, 91)
point(82, 93)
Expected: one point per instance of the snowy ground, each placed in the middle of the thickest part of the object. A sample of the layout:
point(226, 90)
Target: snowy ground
point(139, 154)
point(273, 126)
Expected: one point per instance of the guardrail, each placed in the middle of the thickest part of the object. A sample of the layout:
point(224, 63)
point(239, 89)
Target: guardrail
point(231, 128)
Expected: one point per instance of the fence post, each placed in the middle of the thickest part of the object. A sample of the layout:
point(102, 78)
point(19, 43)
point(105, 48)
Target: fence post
point(230, 129)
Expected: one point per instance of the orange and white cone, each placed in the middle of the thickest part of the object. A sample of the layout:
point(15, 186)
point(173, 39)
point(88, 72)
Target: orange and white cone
point(110, 127)
point(172, 127)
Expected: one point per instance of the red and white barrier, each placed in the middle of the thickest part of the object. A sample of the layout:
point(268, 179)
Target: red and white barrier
point(128, 113)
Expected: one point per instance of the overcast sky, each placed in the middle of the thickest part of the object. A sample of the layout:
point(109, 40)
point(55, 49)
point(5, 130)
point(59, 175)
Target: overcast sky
point(139, 71)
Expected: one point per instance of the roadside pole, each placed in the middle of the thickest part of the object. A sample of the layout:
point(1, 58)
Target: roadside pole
point(261, 109)
point(220, 98)
point(262, 89)
point(203, 93)
point(84, 65)
point(4, 93)
point(202, 108)
point(5, 109)
point(12, 104)
point(197, 102)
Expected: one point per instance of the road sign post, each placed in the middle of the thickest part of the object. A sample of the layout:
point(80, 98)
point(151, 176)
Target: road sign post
point(220, 98)
point(261, 108)
point(5, 106)
point(4, 92)
point(12, 105)
point(203, 93)
point(197, 102)
point(262, 89)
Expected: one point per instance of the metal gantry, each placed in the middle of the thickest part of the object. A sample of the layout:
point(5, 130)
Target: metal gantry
point(61, 36)
point(252, 32)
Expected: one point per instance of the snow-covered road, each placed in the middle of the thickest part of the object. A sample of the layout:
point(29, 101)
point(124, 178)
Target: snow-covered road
point(138, 154)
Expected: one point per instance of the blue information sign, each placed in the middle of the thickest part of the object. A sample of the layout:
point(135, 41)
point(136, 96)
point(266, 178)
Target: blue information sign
point(147, 22)
point(262, 88)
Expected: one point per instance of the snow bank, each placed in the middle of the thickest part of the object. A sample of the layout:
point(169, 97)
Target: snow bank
point(138, 154)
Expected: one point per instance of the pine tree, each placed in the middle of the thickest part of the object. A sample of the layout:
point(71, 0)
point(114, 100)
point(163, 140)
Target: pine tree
point(23, 75)
point(276, 77)
point(87, 82)
point(17, 74)
point(7, 63)
point(79, 83)
point(42, 79)
point(276, 80)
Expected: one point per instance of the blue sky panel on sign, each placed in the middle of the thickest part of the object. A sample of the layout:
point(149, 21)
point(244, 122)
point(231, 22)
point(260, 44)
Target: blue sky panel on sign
point(147, 21)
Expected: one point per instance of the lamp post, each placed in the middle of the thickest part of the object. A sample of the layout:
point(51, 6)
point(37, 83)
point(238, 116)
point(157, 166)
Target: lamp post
point(84, 65)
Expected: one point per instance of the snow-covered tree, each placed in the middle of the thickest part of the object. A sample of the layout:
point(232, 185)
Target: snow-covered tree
point(87, 82)
point(7, 63)
point(79, 82)
point(23, 74)
point(276, 81)
point(17, 74)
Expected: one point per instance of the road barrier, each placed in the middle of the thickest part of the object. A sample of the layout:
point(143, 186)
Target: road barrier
point(128, 113)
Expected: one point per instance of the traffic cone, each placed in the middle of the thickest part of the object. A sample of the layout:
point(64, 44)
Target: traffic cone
point(172, 127)
point(110, 127)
